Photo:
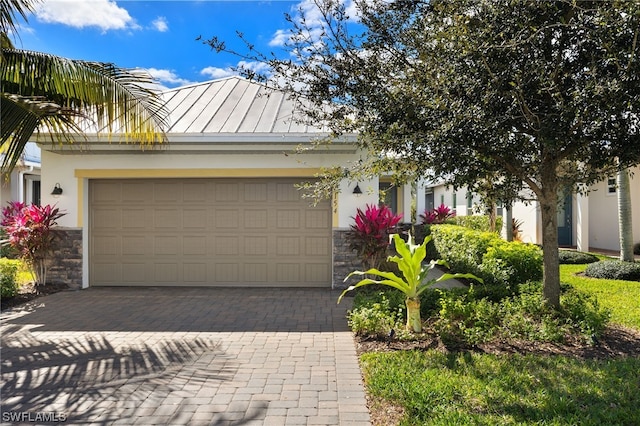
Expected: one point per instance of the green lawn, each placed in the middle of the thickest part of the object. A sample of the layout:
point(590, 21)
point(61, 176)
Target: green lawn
point(478, 389)
point(474, 389)
point(622, 297)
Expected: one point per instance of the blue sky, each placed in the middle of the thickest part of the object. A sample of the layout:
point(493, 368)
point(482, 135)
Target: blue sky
point(159, 36)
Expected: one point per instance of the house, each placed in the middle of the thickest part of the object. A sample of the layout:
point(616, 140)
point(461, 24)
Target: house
point(23, 183)
point(215, 206)
point(588, 222)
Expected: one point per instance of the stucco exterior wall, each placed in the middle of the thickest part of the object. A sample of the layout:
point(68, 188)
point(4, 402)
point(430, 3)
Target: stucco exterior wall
point(603, 214)
point(73, 171)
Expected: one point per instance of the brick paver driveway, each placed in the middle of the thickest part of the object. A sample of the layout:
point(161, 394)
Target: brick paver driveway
point(172, 356)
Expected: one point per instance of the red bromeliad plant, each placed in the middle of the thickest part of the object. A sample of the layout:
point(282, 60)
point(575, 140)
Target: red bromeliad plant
point(30, 231)
point(437, 215)
point(369, 235)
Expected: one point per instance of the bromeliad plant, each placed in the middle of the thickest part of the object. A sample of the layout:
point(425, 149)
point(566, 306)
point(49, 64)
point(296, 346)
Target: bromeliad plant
point(30, 231)
point(413, 282)
point(369, 235)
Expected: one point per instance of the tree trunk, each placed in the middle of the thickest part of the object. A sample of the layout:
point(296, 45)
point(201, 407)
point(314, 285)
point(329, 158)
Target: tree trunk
point(624, 216)
point(509, 223)
point(414, 322)
point(551, 276)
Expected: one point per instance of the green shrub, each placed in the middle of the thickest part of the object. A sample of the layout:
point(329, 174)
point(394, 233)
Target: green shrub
point(488, 256)
point(461, 247)
point(572, 257)
point(584, 313)
point(614, 270)
point(522, 261)
point(375, 319)
point(477, 222)
point(8, 271)
point(464, 321)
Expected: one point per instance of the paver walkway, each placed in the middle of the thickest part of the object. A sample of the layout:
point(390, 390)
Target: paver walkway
point(170, 356)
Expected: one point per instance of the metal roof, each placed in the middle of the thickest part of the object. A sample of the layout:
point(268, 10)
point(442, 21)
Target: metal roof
point(233, 105)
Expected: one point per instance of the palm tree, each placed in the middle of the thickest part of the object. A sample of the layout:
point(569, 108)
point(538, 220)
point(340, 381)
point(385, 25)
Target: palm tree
point(624, 216)
point(61, 96)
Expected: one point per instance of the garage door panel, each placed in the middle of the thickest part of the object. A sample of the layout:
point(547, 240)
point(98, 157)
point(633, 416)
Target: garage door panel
point(131, 192)
point(167, 218)
point(226, 219)
point(255, 192)
point(134, 245)
point(106, 218)
point(255, 218)
point(166, 272)
point(226, 246)
point(226, 192)
point(256, 245)
point(167, 192)
point(287, 219)
point(134, 218)
point(134, 273)
point(194, 192)
point(194, 245)
point(194, 273)
point(317, 219)
point(194, 218)
point(207, 232)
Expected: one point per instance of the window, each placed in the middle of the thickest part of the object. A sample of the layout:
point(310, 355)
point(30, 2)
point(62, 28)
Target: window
point(454, 201)
point(389, 195)
point(469, 204)
point(611, 185)
point(441, 199)
point(428, 199)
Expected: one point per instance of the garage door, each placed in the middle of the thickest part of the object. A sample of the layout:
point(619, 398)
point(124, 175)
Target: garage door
point(207, 232)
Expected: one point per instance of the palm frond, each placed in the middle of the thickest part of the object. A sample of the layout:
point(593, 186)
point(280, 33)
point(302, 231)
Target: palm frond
point(104, 96)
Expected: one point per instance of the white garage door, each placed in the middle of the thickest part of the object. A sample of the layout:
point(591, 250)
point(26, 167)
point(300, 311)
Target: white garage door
point(207, 232)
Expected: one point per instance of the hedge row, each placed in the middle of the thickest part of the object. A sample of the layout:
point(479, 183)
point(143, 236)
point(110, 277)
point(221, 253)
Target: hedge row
point(487, 255)
point(476, 222)
point(8, 273)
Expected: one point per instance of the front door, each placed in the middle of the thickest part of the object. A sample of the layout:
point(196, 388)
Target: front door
point(564, 221)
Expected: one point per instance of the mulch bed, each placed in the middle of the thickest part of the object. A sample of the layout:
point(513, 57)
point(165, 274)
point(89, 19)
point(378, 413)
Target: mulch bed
point(28, 292)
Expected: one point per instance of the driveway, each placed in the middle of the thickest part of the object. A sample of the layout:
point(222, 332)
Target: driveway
point(181, 356)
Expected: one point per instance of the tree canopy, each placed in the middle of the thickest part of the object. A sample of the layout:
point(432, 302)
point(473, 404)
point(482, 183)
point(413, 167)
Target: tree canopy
point(535, 95)
point(46, 92)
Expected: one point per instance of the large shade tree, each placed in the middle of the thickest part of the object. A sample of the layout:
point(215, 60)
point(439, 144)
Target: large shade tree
point(545, 95)
point(62, 96)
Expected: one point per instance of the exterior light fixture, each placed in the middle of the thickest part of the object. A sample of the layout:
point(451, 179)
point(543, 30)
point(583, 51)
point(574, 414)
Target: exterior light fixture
point(57, 190)
point(357, 191)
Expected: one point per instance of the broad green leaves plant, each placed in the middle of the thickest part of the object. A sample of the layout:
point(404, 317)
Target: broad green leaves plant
point(413, 282)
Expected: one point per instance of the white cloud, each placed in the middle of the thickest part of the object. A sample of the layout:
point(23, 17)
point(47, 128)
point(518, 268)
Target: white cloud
point(216, 73)
point(314, 20)
point(104, 14)
point(168, 77)
point(161, 24)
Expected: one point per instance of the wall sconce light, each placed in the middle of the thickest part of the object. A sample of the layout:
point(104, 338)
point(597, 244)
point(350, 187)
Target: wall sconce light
point(57, 190)
point(357, 191)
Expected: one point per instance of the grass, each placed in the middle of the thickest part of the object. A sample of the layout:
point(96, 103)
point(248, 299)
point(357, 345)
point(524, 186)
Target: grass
point(620, 296)
point(468, 388)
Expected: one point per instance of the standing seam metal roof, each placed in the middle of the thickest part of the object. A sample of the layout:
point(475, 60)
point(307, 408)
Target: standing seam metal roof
point(232, 105)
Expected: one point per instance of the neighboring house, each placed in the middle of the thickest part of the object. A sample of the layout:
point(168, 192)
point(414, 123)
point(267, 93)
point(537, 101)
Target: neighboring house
point(588, 222)
point(23, 183)
point(216, 206)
